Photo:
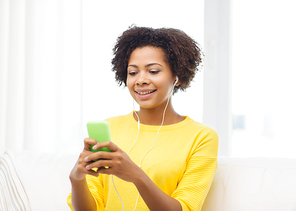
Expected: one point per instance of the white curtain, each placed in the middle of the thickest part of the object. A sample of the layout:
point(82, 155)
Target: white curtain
point(40, 75)
point(45, 97)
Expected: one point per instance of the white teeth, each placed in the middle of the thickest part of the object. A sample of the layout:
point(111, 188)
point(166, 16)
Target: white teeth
point(144, 93)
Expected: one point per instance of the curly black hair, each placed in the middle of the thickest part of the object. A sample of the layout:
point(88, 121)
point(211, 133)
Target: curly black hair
point(182, 53)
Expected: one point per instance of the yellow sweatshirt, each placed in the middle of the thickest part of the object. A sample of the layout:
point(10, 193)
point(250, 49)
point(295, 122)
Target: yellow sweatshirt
point(182, 163)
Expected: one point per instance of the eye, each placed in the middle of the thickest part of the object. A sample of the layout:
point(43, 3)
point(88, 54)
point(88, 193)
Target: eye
point(153, 71)
point(132, 73)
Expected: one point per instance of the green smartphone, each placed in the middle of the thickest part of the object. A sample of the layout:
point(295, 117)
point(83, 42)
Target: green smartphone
point(99, 131)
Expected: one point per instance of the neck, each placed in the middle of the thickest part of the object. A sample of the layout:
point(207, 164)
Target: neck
point(154, 116)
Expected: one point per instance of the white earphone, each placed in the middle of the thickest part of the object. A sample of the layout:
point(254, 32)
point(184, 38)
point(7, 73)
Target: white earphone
point(140, 163)
point(176, 81)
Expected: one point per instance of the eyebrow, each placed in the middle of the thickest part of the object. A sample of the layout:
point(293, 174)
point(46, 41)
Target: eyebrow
point(148, 65)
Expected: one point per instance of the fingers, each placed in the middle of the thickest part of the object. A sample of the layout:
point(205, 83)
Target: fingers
point(101, 162)
point(113, 147)
point(98, 156)
point(86, 164)
point(79, 171)
point(88, 142)
point(91, 171)
point(82, 163)
point(98, 145)
point(106, 162)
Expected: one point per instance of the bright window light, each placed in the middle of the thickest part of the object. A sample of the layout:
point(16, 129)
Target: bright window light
point(264, 73)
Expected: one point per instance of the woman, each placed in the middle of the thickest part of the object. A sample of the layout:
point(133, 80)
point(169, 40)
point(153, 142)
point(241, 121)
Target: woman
point(160, 159)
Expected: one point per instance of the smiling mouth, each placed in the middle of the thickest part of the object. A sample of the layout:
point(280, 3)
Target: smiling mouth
point(145, 93)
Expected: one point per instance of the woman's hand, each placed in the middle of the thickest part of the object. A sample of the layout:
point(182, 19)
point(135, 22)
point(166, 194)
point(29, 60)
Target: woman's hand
point(79, 171)
point(116, 162)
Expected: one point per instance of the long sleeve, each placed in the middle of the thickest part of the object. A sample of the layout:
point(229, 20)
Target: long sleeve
point(200, 170)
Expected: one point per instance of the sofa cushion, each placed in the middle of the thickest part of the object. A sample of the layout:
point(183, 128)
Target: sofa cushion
point(12, 193)
point(240, 184)
point(253, 184)
point(46, 178)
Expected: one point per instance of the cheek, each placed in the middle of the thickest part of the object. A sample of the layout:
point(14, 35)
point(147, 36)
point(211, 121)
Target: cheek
point(130, 83)
point(165, 86)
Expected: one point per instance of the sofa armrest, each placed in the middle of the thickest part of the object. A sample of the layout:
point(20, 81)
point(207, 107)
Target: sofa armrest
point(12, 193)
point(244, 184)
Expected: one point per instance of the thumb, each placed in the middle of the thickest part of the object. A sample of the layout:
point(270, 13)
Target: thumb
point(108, 144)
point(88, 142)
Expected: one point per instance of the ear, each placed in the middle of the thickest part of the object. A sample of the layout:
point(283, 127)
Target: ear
point(177, 81)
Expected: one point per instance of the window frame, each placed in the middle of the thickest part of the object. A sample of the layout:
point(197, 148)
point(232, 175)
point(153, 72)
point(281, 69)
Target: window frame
point(217, 111)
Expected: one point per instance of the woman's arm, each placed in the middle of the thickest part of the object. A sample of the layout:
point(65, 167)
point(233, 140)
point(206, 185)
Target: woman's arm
point(154, 197)
point(81, 196)
point(123, 167)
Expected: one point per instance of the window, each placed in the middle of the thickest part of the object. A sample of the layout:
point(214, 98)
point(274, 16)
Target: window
point(263, 78)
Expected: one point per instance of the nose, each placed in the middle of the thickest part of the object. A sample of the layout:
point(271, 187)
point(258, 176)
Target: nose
point(143, 79)
point(142, 82)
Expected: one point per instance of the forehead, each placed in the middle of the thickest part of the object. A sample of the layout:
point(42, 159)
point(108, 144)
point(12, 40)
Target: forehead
point(147, 54)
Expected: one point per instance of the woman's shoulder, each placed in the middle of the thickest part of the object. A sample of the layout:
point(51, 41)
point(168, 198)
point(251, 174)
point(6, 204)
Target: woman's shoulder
point(118, 119)
point(203, 131)
point(206, 137)
point(198, 126)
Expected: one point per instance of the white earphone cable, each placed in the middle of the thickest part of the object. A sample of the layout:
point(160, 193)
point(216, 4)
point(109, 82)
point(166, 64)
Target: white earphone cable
point(163, 115)
point(156, 134)
point(137, 134)
point(117, 193)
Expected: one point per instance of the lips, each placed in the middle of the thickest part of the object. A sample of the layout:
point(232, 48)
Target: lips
point(144, 94)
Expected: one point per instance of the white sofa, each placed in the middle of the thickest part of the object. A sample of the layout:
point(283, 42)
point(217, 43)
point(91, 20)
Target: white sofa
point(39, 182)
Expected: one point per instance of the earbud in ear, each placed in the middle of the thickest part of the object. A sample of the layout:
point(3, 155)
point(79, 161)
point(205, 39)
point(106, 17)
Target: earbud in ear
point(176, 81)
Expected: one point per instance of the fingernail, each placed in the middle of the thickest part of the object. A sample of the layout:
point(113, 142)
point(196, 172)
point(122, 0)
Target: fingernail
point(86, 159)
point(87, 167)
point(95, 147)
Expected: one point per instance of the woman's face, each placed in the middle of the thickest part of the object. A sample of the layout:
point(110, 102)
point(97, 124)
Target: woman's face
point(149, 77)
